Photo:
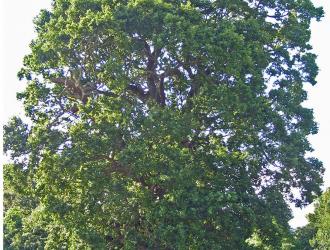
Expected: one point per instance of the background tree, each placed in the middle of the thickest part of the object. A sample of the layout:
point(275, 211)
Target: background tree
point(319, 221)
point(162, 125)
point(302, 238)
point(315, 235)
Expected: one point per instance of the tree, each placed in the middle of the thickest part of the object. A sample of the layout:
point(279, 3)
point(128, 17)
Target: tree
point(160, 124)
point(302, 238)
point(316, 233)
point(320, 221)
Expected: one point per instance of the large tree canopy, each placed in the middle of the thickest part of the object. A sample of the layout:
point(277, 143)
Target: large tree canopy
point(161, 124)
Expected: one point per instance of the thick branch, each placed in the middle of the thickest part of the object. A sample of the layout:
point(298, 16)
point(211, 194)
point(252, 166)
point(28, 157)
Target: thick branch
point(162, 97)
point(151, 67)
point(139, 91)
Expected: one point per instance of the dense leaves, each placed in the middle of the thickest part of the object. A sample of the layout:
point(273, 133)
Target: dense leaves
point(163, 125)
point(315, 235)
point(320, 221)
point(303, 236)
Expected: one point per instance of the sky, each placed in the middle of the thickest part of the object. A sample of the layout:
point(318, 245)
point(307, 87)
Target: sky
point(16, 32)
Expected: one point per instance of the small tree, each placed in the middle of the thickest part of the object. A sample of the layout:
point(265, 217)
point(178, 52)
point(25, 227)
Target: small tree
point(320, 221)
point(316, 234)
point(160, 124)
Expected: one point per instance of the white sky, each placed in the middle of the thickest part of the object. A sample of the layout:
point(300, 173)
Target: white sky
point(17, 32)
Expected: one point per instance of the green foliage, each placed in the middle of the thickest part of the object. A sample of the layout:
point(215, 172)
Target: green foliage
point(303, 236)
point(315, 235)
point(320, 222)
point(163, 125)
